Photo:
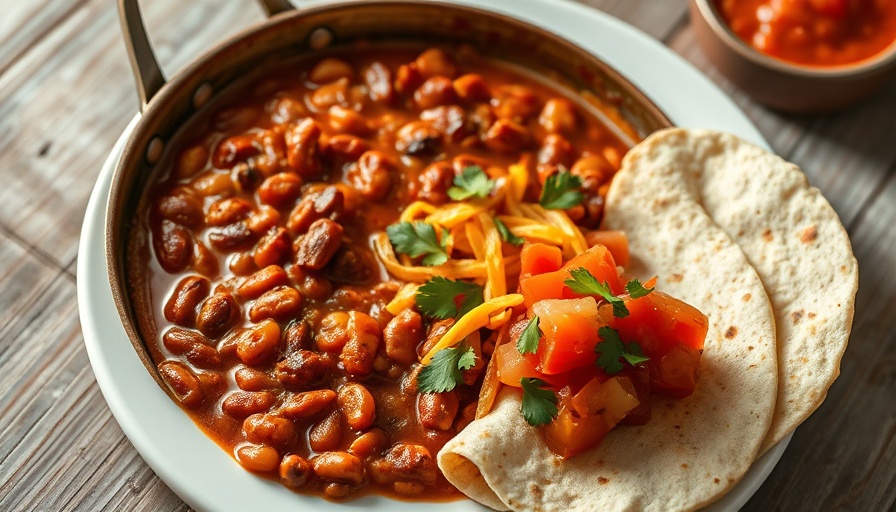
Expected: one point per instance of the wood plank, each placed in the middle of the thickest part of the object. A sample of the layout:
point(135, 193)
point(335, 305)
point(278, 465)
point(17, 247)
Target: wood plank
point(64, 103)
point(658, 19)
point(23, 278)
point(844, 456)
point(25, 23)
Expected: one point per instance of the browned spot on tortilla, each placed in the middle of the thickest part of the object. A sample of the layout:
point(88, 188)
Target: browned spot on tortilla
point(716, 480)
point(796, 316)
point(535, 489)
point(731, 332)
point(750, 347)
point(767, 235)
point(747, 297)
point(675, 278)
point(555, 461)
point(804, 360)
point(809, 235)
point(811, 315)
point(660, 203)
point(685, 466)
point(603, 481)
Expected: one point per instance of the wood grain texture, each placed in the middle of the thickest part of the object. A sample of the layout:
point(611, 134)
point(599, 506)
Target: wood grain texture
point(66, 93)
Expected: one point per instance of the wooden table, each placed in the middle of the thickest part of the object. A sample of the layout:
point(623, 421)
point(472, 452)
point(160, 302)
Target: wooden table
point(66, 94)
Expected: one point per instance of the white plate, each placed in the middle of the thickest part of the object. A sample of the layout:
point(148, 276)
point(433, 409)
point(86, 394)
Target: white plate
point(203, 474)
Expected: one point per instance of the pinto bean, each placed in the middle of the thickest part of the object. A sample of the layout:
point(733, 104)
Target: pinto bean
point(295, 472)
point(418, 138)
point(286, 110)
point(348, 121)
point(357, 405)
point(333, 93)
point(307, 404)
point(407, 78)
point(515, 102)
point(352, 264)
point(434, 92)
point(203, 260)
point(434, 182)
point(402, 335)
point(210, 184)
point(437, 410)
point(558, 116)
point(227, 211)
point(302, 369)
point(234, 119)
point(451, 121)
point(296, 335)
point(556, 150)
point(258, 458)
point(436, 62)
point(369, 443)
point(241, 404)
point(181, 206)
point(191, 161)
point(173, 246)
point(471, 88)
point(269, 429)
point(232, 237)
point(181, 306)
point(326, 203)
point(332, 333)
point(378, 79)
point(259, 343)
point(281, 303)
point(405, 462)
point(506, 136)
point(360, 350)
point(233, 150)
point(280, 190)
point(302, 148)
point(338, 467)
point(330, 69)
point(217, 314)
point(182, 382)
point(193, 345)
point(344, 147)
point(272, 248)
point(326, 434)
point(249, 379)
point(319, 244)
point(594, 170)
point(371, 176)
point(265, 279)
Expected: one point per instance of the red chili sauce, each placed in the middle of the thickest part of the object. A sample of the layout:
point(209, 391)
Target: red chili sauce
point(813, 32)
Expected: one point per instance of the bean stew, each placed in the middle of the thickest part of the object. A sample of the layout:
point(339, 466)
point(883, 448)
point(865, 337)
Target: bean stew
point(270, 303)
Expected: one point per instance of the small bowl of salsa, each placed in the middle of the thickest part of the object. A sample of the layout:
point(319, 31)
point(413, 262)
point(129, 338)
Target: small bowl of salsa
point(800, 55)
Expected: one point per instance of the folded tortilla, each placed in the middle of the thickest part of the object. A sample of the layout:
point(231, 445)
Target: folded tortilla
point(693, 450)
point(793, 238)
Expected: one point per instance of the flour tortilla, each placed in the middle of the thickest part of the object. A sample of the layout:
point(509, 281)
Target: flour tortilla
point(693, 450)
point(794, 240)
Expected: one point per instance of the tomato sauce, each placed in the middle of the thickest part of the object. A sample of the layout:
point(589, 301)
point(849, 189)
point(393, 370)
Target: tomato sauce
point(813, 32)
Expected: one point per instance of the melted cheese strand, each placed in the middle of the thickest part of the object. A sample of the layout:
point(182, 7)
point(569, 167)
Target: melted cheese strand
point(474, 320)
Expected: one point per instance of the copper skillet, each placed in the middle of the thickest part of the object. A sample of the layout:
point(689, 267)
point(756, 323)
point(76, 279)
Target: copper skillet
point(289, 32)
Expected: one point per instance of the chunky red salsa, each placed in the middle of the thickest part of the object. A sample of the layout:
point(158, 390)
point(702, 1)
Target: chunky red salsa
point(273, 330)
point(813, 32)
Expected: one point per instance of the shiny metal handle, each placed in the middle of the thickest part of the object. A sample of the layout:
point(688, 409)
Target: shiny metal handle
point(144, 64)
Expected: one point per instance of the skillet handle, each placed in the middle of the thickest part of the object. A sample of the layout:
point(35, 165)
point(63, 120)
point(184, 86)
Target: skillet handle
point(144, 64)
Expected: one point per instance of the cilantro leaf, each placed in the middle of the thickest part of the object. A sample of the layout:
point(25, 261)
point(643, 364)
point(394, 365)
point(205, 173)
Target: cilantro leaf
point(528, 342)
point(505, 233)
point(585, 283)
point(471, 182)
point(636, 290)
point(441, 297)
point(443, 371)
point(539, 405)
point(611, 350)
point(561, 190)
point(417, 239)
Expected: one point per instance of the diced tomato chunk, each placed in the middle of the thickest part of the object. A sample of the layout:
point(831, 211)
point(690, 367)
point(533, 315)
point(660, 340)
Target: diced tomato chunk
point(538, 259)
point(513, 366)
point(570, 333)
point(615, 241)
point(551, 285)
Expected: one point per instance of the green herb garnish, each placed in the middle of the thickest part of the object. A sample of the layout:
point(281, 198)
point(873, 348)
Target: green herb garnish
point(612, 351)
point(441, 297)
